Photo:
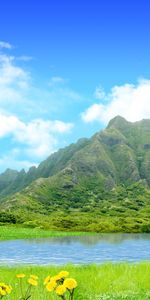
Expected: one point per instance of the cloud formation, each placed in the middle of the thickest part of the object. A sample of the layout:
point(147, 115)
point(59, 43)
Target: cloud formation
point(14, 83)
point(132, 101)
point(5, 45)
point(38, 136)
point(24, 114)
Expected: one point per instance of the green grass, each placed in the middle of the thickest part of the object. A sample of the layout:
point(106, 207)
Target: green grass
point(103, 282)
point(15, 232)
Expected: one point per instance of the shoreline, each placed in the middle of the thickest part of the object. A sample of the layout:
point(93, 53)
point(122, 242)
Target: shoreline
point(15, 232)
point(11, 232)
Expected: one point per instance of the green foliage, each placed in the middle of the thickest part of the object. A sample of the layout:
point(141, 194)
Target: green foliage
point(146, 228)
point(16, 232)
point(100, 184)
point(105, 282)
point(6, 217)
point(86, 208)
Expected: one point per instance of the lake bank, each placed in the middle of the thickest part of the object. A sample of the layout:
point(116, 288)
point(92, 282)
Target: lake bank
point(16, 232)
point(108, 281)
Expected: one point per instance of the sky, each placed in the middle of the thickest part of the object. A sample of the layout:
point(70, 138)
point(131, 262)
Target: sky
point(66, 69)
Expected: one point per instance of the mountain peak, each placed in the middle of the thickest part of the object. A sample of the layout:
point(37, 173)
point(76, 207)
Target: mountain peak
point(117, 121)
point(9, 173)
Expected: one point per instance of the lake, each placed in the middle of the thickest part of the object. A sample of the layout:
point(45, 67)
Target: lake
point(98, 248)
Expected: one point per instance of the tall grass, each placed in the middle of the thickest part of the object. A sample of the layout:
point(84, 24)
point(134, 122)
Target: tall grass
point(95, 282)
point(15, 232)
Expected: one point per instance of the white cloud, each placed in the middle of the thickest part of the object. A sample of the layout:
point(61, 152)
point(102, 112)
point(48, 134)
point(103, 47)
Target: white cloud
point(5, 45)
point(10, 74)
point(129, 100)
point(92, 113)
point(25, 109)
point(9, 125)
point(59, 126)
point(38, 136)
point(19, 93)
point(14, 85)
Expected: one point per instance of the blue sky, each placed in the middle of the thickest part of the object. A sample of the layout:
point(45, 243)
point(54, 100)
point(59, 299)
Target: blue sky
point(66, 69)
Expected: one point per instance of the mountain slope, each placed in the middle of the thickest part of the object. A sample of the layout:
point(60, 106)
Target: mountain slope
point(107, 176)
point(49, 167)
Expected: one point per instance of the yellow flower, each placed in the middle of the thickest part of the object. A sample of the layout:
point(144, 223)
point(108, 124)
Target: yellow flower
point(20, 275)
point(47, 279)
point(63, 274)
point(51, 285)
point(8, 289)
point(35, 277)
point(56, 277)
point(2, 292)
point(3, 285)
point(70, 283)
point(5, 289)
point(32, 282)
point(60, 290)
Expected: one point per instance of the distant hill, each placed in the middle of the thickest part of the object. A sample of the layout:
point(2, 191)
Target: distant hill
point(106, 176)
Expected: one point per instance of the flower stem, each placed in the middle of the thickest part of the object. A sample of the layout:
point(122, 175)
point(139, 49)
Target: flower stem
point(21, 288)
point(27, 294)
point(72, 293)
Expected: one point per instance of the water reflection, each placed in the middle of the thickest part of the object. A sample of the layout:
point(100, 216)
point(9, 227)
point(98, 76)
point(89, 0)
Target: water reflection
point(96, 248)
point(90, 240)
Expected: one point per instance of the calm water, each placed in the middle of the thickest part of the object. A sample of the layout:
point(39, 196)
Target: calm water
point(77, 250)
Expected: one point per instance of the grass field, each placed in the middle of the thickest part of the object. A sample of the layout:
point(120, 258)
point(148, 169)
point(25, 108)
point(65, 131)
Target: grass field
point(15, 232)
point(103, 282)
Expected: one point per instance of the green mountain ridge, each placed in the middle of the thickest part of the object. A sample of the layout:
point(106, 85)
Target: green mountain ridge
point(49, 167)
point(101, 183)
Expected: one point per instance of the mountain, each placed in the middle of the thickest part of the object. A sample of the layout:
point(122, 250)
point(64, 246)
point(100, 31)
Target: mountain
point(7, 178)
point(102, 181)
point(53, 164)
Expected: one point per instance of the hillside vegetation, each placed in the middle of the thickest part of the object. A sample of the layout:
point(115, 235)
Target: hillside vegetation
point(99, 184)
